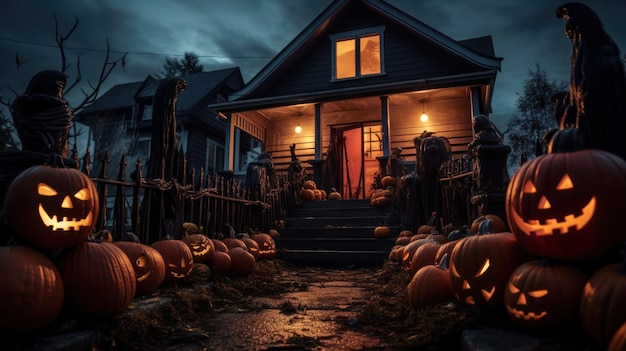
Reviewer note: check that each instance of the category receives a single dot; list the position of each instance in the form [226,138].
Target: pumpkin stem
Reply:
[443,263]
[55,160]
[545,262]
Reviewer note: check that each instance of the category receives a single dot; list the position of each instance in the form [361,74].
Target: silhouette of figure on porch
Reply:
[260,176]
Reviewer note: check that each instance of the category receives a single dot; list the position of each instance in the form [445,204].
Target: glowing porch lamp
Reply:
[424,117]
[298,127]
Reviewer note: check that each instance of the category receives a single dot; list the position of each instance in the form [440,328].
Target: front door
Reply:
[362,145]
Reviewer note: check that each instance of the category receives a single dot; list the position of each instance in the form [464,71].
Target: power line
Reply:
[128,52]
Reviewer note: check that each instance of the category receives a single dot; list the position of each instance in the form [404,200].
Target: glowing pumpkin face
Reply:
[267,245]
[177,257]
[480,266]
[543,296]
[562,205]
[201,247]
[148,264]
[53,208]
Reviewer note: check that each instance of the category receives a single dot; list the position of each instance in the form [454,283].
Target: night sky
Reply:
[248,33]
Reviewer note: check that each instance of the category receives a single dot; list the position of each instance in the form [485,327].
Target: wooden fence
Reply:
[209,200]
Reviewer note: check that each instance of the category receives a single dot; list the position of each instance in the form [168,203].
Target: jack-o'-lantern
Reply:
[177,257]
[267,245]
[480,266]
[562,206]
[252,246]
[201,247]
[52,207]
[543,295]
[148,265]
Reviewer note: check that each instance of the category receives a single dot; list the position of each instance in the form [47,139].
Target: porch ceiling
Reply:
[366,103]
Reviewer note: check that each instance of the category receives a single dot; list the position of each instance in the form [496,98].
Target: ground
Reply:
[280,306]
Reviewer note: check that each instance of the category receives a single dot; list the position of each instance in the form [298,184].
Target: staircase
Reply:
[336,233]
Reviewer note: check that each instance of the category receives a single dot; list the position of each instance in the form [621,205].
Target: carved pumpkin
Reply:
[562,205]
[177,257]
[53,208]
[201,247]
[267,245]
[430,285]
[602,307]
[148,264]
[252,247]
[98,277]
[31,289]
[541,295]
[481,265]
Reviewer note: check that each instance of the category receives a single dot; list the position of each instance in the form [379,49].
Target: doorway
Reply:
[362,144]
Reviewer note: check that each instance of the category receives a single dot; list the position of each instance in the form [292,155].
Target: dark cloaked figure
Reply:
[597,93]
[490,154]
[42,116]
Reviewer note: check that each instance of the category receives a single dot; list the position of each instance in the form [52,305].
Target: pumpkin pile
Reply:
[57,263]
[552,265]
[382,196]
[310,192]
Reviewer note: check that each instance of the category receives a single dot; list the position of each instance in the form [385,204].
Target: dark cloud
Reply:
[248,33]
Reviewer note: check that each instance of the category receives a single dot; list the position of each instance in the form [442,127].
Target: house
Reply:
[352,87]
[120,123]
[120,120]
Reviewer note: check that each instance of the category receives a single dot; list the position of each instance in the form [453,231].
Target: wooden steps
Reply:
[336,233]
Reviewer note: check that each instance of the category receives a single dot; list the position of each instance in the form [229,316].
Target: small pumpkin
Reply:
[148,265]
[98,277]
[388,181]
[310,184]
[382,232]
[177,257]
[334,195]
[242,261]
[307,194]
[201,247]
[429,286]
[267,245]
[497,224]
[31,289]
[221,263]
[424,256]
[52,207]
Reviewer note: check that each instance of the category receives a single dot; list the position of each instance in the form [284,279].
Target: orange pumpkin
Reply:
[382,232]
[98,277]
[430,285]
[177,257]
[148,264]
[242,261]
[52,207]
[31,289]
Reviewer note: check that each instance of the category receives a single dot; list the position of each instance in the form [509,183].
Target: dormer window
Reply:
[358,53]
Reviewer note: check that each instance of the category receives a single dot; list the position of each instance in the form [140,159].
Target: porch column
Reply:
[229,145]
[318,131]
[384,111]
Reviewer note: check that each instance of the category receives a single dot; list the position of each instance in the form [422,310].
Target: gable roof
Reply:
[478,51]
[199,85]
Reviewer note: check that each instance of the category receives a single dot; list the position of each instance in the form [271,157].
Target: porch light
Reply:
[298,127]
[424,117]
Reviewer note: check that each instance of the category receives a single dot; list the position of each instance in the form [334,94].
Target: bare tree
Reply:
[89,94]
[534,117]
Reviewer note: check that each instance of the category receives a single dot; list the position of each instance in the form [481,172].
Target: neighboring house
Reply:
[120,123]
[363,71]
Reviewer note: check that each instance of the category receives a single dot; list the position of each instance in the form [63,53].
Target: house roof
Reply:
[199,85]
[478,51]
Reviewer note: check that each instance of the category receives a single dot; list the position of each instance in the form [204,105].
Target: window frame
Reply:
[356,35]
